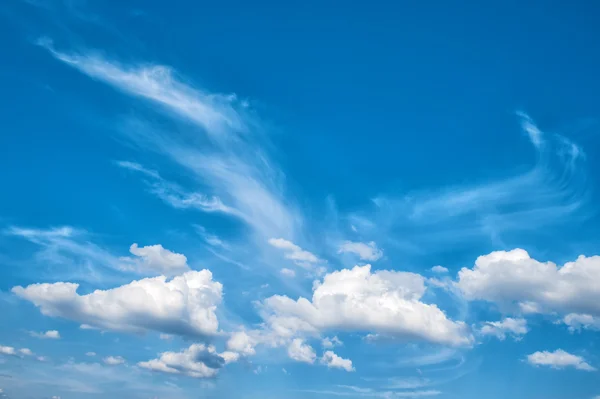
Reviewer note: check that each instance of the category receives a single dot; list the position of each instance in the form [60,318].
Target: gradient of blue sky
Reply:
[259,156]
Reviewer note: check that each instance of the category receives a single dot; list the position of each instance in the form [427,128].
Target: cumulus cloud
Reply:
[155,258]
[51,334]
[299,351]
[365,251]
[113,360]
[242,343]
[8,350]
[184,305]
[514,278]
[576,322]
[26,352]
[198,361]
[332,360]
[364,301]
[515,327]
[439,269]
[559,359]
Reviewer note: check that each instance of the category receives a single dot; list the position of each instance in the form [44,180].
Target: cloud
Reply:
[175,195]
[439,269]
[240,342]
[349,390]
[288,272]
[332,360]
[91,354]
[299,256]
[8,350]
[155,258]
[365,251]
[183,305]
[228,159]
[331,342]
[515,327]
[513,277]
[299,351]
[26,352]
[364,301]
[197,361]
[559,359]
[576,322]
[113,360]
[51,334]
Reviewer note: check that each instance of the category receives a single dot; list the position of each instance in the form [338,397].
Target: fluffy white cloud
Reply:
[299,351]
[365,251]
[359,300]
[515,327]
[288,272]
[513,277]
[156,259]
[332,360]
[183,305]
[331,342]
[439,269]
[576,322]
[559,359]
[113,360]
[198,361]
[51,334]
[241,343]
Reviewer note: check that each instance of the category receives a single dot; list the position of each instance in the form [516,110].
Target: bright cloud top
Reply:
[331,360]
[184,305]
[359,300]
[514,278]
[155,258]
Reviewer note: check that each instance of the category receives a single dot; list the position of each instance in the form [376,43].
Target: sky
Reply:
[313,200]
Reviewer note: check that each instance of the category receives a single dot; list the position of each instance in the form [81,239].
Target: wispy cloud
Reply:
[554,190]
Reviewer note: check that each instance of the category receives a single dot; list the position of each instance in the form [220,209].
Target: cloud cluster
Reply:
[331,360]
[360,300]
[184,305]
[513,278]
[198,361]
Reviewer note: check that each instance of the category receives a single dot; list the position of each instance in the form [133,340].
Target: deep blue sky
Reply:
[279,145]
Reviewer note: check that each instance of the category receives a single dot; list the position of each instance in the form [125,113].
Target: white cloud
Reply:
[198,361]
[8,350]
[559,359]
[299,351]
[576,322]
[359,300]
[42,358]
[51,334]
[365,251]
[294,252]
[155,258]
[331,342]
[513,277]
[332,360]
[288,272]
[439,269]
[26,352]
[113,360]
[515,327]
[241,343]
[183,305]
[91,354]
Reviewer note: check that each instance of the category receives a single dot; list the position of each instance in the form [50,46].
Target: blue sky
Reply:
[320,200]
